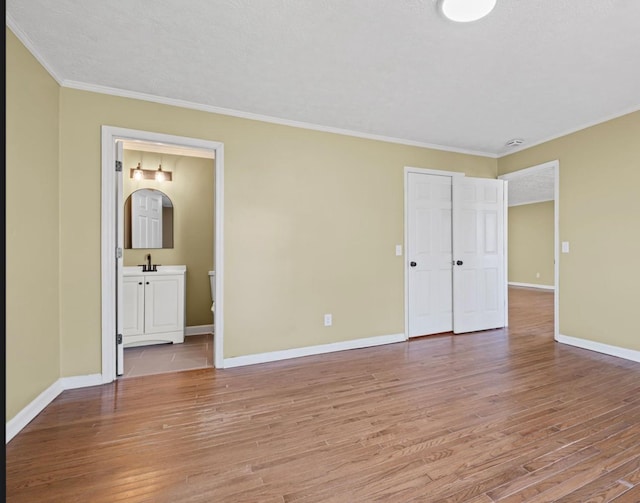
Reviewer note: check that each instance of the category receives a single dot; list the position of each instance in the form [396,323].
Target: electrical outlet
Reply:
[328,320]
[537,275]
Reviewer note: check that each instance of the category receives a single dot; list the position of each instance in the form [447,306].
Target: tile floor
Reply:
[194,353]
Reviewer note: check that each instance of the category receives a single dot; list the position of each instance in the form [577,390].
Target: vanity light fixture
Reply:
[464,11]
[160,175]
[137,173]
[150,174]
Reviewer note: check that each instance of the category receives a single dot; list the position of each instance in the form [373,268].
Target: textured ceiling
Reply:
[532,69]
[532,185]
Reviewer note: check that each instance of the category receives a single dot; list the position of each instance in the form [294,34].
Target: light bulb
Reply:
[138,174]
[160,174]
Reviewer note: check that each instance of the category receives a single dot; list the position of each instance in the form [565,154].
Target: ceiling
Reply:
[531,185]
[384,69]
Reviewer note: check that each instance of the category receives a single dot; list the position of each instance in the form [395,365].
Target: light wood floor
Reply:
[504,415]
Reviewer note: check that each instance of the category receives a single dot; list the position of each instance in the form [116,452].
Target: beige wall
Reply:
[32,221]
[600,218]
[531,234]
[311,224]
[192,193]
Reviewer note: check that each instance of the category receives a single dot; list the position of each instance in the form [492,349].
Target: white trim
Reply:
[28,413]
[26,41]
[505,249]
[198,330]
[264,118]
[533,201]
[556,233]
[556,250]
[607,349]
[286,354]
[287,122]
[602,120]
[528,171]
[532,285]
[16,424]
[85,381]
[110,135]
[429,171]
[218,265]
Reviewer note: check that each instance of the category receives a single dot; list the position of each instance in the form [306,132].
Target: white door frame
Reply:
[422,171]
[109,223]
[556,231]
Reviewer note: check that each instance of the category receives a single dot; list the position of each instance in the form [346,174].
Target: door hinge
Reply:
[118,252]
[118,165]
[118,338]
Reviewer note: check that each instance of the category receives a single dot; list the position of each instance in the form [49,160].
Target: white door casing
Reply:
[479,279]
[113,235]
[119,212]
[429,253]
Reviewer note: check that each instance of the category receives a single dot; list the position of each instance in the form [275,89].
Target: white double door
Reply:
[456,278]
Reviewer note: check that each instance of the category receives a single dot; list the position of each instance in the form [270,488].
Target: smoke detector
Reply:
[516,142]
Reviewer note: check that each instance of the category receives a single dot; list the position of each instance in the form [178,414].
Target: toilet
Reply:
[212,282]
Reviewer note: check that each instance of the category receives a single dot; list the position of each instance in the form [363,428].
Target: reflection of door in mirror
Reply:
[146,219]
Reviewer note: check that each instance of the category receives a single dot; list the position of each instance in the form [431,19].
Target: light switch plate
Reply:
[565,247]
[398,250]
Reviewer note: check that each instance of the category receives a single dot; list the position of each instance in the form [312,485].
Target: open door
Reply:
[119,154]
[479,276]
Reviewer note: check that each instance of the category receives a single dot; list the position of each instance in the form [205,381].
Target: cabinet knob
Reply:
[140,283]
[413,264]
[459,262]
[147,282]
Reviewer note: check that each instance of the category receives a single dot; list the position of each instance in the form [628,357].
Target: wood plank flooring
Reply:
[504,416]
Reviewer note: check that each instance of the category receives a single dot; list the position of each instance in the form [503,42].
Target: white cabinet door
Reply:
[429,251]
[164,304]
[133,305]
[479,280]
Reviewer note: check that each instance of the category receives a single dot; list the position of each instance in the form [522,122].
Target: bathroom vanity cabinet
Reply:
[153,305]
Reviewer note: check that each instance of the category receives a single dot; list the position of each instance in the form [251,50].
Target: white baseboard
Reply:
[76,382]
[286,354]
[198,330]
[627,354]
[532,285]
[26,415]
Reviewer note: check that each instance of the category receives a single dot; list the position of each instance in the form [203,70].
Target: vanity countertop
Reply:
[136,270]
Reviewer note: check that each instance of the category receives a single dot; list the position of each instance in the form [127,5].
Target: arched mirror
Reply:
[148,220]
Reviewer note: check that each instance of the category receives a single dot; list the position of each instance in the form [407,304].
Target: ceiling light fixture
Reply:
[464,11]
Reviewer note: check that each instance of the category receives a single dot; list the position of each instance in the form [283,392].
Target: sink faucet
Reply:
[148,258]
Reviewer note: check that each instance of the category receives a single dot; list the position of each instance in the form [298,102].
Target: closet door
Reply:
[479,276]
[456,262]
[429,251]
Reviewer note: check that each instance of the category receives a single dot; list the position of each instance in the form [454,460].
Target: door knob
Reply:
[412,264]
[459,262]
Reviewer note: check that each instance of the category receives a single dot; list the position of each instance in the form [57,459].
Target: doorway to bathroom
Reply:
[157,295]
